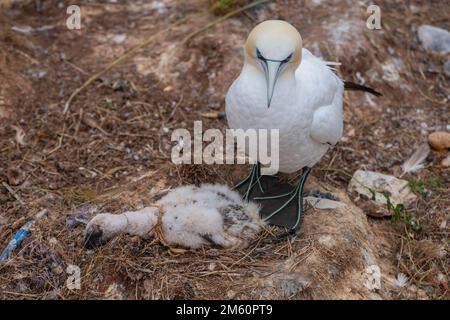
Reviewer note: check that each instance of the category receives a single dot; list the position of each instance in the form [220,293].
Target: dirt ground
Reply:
[110,151]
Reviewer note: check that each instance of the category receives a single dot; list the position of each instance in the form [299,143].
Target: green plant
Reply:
[220,7]
[6,200]
[399,213]
[423,187]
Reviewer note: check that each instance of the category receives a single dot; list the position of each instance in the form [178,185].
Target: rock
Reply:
[447,68]
[373,210]
[81,217]
[439,140]
[434,39]
[231,294]
[397,189]
[114,292]
[446,161]
[119,38]
[327,241]
[36,74]
[159,6]
[292,283]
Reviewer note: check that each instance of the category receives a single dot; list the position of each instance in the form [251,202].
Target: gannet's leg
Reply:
[296,194]
[305,175]
[252,179]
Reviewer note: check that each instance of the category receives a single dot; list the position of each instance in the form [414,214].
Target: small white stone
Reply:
[119,38]
[159,6]
[396,188]
[446,161]
[434,39]
[327,241]
[447,68]
[442,278]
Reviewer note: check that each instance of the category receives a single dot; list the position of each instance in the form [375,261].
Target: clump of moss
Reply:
[221,7]
[79,195]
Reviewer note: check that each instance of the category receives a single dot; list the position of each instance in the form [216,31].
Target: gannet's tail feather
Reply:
[348,85]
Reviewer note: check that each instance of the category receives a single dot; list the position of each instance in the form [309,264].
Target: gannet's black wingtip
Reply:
[348,85]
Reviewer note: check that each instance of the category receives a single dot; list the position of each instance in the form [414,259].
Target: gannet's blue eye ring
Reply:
[259,55]
[288,58]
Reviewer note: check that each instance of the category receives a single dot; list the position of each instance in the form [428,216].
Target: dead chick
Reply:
[191,217]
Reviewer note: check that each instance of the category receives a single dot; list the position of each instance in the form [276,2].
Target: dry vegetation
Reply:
[110,151]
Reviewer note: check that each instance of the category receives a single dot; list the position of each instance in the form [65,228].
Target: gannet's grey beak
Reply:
[272,70]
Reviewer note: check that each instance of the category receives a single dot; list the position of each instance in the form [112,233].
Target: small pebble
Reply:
[434,39]
[447,68]
[439,140]
[446,161]
[119,38]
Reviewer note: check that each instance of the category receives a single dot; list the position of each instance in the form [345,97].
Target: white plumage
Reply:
[191,217]
[306,105]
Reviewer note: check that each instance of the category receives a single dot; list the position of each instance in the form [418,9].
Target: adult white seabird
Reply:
[284,86]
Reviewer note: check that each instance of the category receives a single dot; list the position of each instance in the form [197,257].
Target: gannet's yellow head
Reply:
[274,47]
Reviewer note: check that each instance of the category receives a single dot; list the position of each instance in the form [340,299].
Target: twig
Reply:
[175,109]
[15,195]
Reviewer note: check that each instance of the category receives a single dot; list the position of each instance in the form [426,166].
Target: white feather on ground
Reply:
[192,217]
[416,161]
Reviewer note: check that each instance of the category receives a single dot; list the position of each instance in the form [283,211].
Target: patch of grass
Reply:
[221,7]
[399,213]
[7,199]
[86,195]
[80,195]
[425,187]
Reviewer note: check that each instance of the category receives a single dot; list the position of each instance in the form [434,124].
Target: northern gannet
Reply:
[284,86]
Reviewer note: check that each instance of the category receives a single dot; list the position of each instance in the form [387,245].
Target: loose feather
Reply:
[348,85]
[416,161]
[320,203]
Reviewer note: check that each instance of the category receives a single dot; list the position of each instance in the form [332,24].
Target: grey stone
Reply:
[435,39]
[447,68]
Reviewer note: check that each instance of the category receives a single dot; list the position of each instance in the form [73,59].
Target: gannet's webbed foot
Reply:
[294,203]
[249,183]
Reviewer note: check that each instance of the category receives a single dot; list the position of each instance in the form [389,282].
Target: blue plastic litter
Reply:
[20,235]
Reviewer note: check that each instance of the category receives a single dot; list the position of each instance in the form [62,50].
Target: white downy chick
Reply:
[192,217]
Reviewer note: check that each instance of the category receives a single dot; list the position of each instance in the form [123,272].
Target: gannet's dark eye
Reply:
[288,58]
[259,55]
